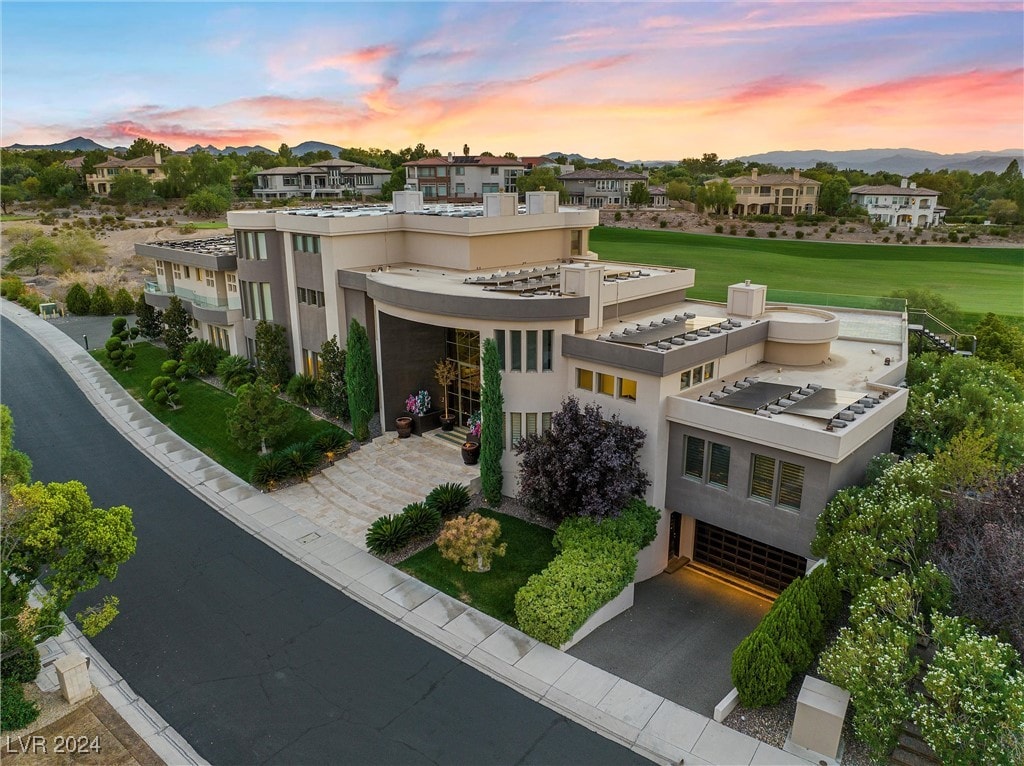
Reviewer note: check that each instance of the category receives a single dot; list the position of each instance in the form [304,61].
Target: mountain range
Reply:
[903,161]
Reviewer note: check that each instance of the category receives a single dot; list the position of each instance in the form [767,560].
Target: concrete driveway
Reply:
[678,639]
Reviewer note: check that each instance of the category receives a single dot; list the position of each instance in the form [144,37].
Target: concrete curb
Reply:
[647,723]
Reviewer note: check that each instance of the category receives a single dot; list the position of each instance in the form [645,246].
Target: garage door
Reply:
[752,560]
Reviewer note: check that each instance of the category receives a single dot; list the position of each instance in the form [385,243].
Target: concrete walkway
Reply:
[647,723]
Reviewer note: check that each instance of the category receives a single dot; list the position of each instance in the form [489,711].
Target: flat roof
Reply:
[222,245]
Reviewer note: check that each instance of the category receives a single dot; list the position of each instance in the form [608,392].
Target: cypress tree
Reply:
[272,353]
[492,443]
[177,328]
[360,380]
[331,389]
[78,300]
[100,304]
[148,319]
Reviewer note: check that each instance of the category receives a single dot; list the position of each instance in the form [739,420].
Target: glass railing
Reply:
[837,300]
[196,299]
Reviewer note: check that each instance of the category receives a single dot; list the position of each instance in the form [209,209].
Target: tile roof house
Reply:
[904,205]
[755,412]
[458,178]
[600,188]
[773,193]
[150,167]
[330,179]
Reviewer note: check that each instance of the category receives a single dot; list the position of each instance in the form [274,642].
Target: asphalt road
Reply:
[251,658]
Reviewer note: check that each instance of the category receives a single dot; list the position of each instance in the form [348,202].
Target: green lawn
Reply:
[11,218]
[494,592]
[201,420]
[978,279]
[208,224]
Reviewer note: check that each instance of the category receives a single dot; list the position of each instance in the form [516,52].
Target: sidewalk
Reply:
[647,723]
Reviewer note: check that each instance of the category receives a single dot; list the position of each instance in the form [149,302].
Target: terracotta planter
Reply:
[404,426]
[448,422]
[470,453]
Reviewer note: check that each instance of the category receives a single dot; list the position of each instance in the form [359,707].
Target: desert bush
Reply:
[12,287]
[773,234]
[449,499]
[618,216]
[751,233]
[719,228]
[423,520]
[31,300]
[662,223]
[799,234]
[387,534]
[330,442]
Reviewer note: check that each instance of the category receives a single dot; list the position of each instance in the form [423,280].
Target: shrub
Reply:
[492,442]
[330,442]
[885,239]
[471,541]
[618,216]
[360,379]
[31,301]
[449,499]
[235,371]
[302,389]
[100,304]
[270,469]
[123,302]
[387,534]
[272,356]
[662,223]
[828,235]
[16,712]
[823,584]
[422,519]
[732,230]
[795,624]
[965,238]
[719,228]
[799,234]
[597,561]
[12,287]
[202,357]
[773,234]
[169,367]
[759,673]
[331,389]
[119,355]
[832,229]
[751,233]
[303,458]
[163,390]
[24,664]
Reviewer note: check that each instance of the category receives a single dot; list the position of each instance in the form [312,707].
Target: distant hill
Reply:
[243,150]
[903,161]
[315,146]
[76,144]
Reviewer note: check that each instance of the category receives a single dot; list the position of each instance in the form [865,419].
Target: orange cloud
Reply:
[987,91]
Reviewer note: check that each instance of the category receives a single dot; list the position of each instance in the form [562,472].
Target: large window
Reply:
[706,461]
[696,376]
[605,384]
[584,379]
[627,389]
[252,245]
[499,341]
[256,302]
[531,351]
[547,350]
[516,355]
[310,296]
[693,461]
[609,385]
[516,426]
[777,481]
[306,243]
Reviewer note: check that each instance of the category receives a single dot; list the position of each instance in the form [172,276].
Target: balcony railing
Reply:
[196,299]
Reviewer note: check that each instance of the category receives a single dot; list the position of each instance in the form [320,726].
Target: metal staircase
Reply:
[932,334]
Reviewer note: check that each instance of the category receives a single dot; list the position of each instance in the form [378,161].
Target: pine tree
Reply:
[272,353]
[78,300]
[177,330]
[124,304]
[148,319]
[331,389]
[492,442]
[361,381]
[258,418]
[100,304]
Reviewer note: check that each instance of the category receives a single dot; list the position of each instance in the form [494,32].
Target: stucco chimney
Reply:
[451,157]
[753,174]
[913,184]
[796,174]
[904,182]
[156,156]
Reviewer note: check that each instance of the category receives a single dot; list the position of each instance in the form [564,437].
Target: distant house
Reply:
[75,163]
[99,182]
[773,194]
[462,178]
[328,179]
[658,196]
[600,188]
[903,205]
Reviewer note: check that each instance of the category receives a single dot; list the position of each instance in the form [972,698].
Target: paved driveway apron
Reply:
[251,658]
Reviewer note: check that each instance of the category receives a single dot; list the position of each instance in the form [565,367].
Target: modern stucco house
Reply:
[462,178]
[905,205]
[773,193]
[106,171]
[329,179]
[600,188]
[755,412]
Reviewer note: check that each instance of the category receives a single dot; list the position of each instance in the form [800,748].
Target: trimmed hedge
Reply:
[759,673]
[16,712]
[597,561]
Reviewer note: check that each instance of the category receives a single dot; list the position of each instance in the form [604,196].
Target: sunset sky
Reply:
[631,80]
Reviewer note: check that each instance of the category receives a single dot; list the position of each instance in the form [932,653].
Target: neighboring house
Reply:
[330,179]
[905,205]
[600,188]
[204,274]
[755,413]
[461,178]
[150,167]
[75,163]
[773,193]
[658,196]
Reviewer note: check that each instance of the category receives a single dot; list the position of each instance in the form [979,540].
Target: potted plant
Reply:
[403,425]
[417,404]
[475,426]
[445,372]
[470,452]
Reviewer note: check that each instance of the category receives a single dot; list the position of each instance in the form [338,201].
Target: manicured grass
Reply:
[11,218]
[978,279]
[202,420]
[209,225]
[494,592]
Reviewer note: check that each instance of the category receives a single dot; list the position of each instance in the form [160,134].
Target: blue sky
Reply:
[635,80]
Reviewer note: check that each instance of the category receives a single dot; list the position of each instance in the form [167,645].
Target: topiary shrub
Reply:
[270,470]
[759,673]
[123,302]
[163,390]
[77,300]
[301,389]
[422,519]
[202,357]
[449,499]
[16,712]
[100,303]
[235,371]
[387,534]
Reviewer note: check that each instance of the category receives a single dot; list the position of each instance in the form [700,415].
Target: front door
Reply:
[463,348]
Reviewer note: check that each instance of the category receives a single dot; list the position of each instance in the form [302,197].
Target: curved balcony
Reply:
[203,307]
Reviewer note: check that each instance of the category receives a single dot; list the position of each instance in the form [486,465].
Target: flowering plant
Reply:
[418,403]
[475,424]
